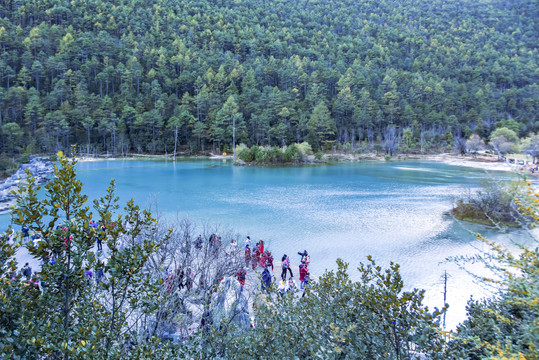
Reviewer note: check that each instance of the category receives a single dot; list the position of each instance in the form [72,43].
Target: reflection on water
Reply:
[392,211]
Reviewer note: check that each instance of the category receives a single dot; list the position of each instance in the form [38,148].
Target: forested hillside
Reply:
[128,75]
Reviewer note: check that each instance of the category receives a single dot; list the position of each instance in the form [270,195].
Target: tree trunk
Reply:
[175,141]
[88,145]
[234,136]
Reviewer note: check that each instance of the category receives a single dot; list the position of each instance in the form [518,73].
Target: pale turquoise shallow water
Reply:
[392,211]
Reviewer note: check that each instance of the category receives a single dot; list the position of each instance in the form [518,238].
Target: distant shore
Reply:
[480,162]
[488,163]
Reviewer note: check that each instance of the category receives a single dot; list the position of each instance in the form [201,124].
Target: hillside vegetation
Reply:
[160,75]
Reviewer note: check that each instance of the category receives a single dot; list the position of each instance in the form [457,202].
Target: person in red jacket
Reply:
[262,260]
[302,273]
[269,261]
[242,274]
[255,255]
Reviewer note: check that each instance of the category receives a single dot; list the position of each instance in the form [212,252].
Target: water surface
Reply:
[392,211]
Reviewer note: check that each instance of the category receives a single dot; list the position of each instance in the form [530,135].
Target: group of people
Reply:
[258,256]
[31,277]
[304,274]
[179,279]
[50,260]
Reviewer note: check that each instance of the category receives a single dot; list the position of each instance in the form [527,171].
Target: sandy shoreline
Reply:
[487,163]
[480,162]
[152,157]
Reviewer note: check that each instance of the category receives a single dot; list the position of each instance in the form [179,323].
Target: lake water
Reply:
[392,211]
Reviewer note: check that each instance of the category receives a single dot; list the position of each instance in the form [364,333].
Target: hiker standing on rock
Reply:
[266,279]
[285,265]
[303,271]
[247,255]
[254,256]
[269,261]
[242,275]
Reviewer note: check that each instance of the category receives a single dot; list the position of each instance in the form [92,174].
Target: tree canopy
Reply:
[117,76]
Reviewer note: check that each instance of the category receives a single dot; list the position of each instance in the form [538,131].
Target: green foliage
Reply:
[530,145]
[504,140]
[7,166]
[13,298]
[291,154]
[493,205]
[12,133]
[338,318]
[321,126]
[508,134]
[304,148]
[408,140]
[155,75]
[74,317]
[294,153]
[244,153]
[504,327]
[509,124]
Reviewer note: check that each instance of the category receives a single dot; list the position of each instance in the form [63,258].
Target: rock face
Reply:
[39,168]
[232,303]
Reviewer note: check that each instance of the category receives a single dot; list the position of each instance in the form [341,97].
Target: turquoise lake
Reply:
[393,211]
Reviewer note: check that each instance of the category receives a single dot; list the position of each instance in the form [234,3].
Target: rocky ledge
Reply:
[39,168]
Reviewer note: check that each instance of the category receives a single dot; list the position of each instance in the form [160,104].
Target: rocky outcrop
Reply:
[39,168]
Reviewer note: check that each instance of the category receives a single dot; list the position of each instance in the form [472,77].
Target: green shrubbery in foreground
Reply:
[291,154]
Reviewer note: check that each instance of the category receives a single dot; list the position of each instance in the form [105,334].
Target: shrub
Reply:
[274,155]
[7,166]
[378,148]
[291,154]
[305,148]
[24,159]
[258,153]
[244,153]
[492,205]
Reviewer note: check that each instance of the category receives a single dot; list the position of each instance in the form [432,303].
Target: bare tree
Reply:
[501,145]
[390,137]
[474,144]
[460,142]
[530,146]
[197,267]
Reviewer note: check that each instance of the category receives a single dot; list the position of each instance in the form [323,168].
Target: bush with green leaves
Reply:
[244,153]
[291,154]
[504,326]
[305,148]
[294,153]
[74,317]
[7,165]
[493,204]
[339,318]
